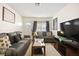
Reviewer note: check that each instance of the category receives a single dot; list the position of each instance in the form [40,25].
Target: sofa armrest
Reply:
[18,49]
[11,52]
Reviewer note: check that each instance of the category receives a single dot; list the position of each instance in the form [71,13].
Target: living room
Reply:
[25,25]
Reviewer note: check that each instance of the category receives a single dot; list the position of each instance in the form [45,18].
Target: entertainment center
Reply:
[67,42]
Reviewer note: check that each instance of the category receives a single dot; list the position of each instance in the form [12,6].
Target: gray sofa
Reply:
[19,44]
[48,36]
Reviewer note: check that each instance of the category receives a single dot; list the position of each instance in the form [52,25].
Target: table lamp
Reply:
[35,34]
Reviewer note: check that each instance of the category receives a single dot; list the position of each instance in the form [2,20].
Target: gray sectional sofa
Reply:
[48,36]
[18,46]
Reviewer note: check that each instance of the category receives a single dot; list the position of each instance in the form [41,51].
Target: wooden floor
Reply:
[50,50]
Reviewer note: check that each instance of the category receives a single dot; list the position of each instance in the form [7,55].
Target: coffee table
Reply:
[38,45]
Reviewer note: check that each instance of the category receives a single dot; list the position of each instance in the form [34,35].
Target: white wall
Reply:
[69,12]
[27,30]
[7,26]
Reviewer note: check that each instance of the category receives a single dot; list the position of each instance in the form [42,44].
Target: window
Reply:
[55,24]
[41,26]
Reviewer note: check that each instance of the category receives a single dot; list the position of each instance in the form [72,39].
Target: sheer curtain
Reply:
[41,26]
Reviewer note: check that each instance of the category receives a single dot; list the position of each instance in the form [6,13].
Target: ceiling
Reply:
[43,10]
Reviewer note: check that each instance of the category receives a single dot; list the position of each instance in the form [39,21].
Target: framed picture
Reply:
[8,15]
[55,24]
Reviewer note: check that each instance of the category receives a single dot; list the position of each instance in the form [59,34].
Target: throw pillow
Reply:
[5,42]
[16,38]
[11,39]
[40,34]
[49,34]
[44,34]
[19,35]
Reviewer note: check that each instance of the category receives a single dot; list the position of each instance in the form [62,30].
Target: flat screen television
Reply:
[71,29]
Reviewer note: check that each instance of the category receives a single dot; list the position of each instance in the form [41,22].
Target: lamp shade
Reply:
[35,33]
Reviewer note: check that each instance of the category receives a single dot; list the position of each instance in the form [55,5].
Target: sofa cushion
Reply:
[11,52]
[20,47]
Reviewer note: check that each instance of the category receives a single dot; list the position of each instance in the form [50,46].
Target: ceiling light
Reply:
[19,24]
[37,4]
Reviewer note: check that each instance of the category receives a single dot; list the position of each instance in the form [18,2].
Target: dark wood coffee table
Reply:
[38,45]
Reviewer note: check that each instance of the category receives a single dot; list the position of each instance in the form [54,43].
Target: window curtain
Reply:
[47,26]
[34,26]
[41,26]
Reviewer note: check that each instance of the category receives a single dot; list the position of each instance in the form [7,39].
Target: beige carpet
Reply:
[50,50]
